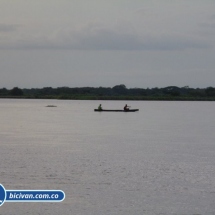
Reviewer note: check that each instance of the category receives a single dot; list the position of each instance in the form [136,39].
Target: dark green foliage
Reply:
[120,89]
[16,92]
[118,92]
[210,91]
[4,92]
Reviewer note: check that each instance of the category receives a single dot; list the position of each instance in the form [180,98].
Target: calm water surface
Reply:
[158,161]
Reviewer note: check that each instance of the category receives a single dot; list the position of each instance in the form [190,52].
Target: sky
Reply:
[79,43]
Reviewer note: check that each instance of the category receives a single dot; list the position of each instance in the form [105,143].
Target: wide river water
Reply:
[158,161]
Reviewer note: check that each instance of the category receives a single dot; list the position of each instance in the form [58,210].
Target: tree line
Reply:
[117,92]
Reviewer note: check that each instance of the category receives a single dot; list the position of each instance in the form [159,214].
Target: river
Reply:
[158,161]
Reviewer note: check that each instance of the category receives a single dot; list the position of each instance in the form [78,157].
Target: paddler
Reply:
[126,107]
[100,107]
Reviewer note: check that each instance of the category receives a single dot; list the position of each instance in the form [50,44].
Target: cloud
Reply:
[207,29]
[100,37]
[8,28]
[173,42]
[208,25]
[96,37]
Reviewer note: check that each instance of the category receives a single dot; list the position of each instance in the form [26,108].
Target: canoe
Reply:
[130,110]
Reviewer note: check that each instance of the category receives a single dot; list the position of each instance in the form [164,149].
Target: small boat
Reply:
[130,110]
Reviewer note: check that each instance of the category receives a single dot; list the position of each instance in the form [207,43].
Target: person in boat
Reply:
[126,107]
[100,107]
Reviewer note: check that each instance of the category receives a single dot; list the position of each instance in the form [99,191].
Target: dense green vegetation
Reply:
[118,92]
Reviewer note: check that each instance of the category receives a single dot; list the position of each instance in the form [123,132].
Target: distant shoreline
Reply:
[113,98]
[118,92]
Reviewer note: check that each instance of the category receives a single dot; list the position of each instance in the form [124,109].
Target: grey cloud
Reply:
[113,39]
[173,42]
[8,28]
[98,37]
[208,25]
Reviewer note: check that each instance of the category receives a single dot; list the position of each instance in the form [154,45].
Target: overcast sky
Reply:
[77,43]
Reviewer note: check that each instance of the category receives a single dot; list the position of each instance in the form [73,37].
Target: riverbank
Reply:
[131,98]
[118,92]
